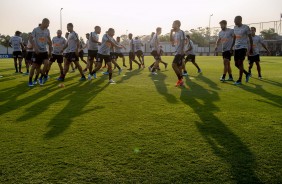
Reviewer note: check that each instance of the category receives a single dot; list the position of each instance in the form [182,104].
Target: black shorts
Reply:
[120,55]
[72,57]
[131,56]
[156,56]
[191,58]
[81,54]
[18,54]
[101,58]
[40,58]
[58,58]
[139,53]
[240,54]
[113,55]
[92,54]
[29,56]
[227,55]
[178,59]
[253,59]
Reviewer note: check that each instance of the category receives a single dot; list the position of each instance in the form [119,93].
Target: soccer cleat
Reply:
[60,79]
[82,78]
[45,80]
[94,76]
[41,83]
[248,76]
[185,74]
[112,81]
[222,79]
[260,78]
[106,73]
[34,82]
[200,71]
[30,84]
[179,83]
[90,77]
[154,73]
[119,71]
[237,83]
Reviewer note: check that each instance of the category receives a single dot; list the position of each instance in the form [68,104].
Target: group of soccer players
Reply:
[67,51]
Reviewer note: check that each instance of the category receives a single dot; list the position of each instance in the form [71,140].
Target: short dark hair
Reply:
[118,37]
[254,28]
[111,29]
[239,17]
[70,24]
[223,22]
[18,33]
[188,36]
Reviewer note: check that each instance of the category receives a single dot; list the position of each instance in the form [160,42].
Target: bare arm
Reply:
[217,43]
[265,47]
[234,40]
[171,37]
[50,45]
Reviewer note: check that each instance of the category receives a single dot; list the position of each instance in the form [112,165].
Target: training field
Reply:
[142,129]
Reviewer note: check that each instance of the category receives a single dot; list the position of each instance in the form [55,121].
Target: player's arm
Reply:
[113,43]
[171,37]
[265,47]
[93,39]
[234,40]
[50,45]
[77,46]
[190,46]
[217,43]
[251,43]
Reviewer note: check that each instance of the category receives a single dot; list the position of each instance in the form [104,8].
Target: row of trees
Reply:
[200,36]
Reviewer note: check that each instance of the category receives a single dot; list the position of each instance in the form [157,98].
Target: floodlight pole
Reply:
[61,24]
[210,34]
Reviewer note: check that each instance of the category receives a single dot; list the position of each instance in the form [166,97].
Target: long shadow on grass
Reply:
[159,81]
[225,144]
[74,108]
[129,75]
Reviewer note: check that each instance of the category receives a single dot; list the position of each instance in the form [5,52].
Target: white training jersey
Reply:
[137,44]
[257,41]
[29,47]
[105,48]
[16,42]
[226,38]
[179,42]
[40,38]
[72,42]
[118,50]
[155,43]
[191,52]
[241,34]
[58,45]
[92,45]
[131,46]
[87,44]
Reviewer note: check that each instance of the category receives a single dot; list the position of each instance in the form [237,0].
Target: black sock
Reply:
[16,67]
[223,76]
[118,67]
[245,72]
[27,71]
[230,76]
[47,72]
[185,71]
[179,77]
[20,68]
[110,75]
[36,77]
[30,79]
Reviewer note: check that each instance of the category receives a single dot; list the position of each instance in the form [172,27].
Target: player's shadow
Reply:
[74,108]
[224,143]
[271,82]
[271,99]
[127,75]
[159,81]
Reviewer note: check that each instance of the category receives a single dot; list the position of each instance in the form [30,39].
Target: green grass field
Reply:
[143,129]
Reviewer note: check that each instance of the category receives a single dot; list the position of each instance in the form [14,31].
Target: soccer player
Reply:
[242,34]
[156,50]
[138,50]
[59,43]
[40,39]
[178,40]
[255,57]
[132,52]
[86,46]
[29,53]
[81,52]
[191,56]
[119,52]
[16,42]
[72,56]
[225,38]
[93,47]
[104,54]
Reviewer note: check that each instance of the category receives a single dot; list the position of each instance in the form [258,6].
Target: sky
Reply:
[126,16]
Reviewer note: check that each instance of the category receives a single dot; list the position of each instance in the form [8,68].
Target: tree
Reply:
[269,34]
[124,40]
[4,40]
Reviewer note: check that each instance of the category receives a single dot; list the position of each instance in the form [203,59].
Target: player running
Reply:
[225,38]
[255,57]
[138,50]
[104,54]
[40,39]
[119,51]
[16,42]
[242,34]
[93,47]
[178,40]
[132,52]
[29,53]
[58,43]
[72,56]
[191,56]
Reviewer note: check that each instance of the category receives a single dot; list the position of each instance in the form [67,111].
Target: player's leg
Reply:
[78,66]
[60,61]
[31,73]
[98,65]
[20,64]
[195,64]
[16,63]
[259,69]
[176,64]
[110,69]
[123,61]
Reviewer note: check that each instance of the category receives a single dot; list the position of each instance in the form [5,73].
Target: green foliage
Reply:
[269,34]
[4,40]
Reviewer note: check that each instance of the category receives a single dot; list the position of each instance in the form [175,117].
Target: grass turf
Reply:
[143,129]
